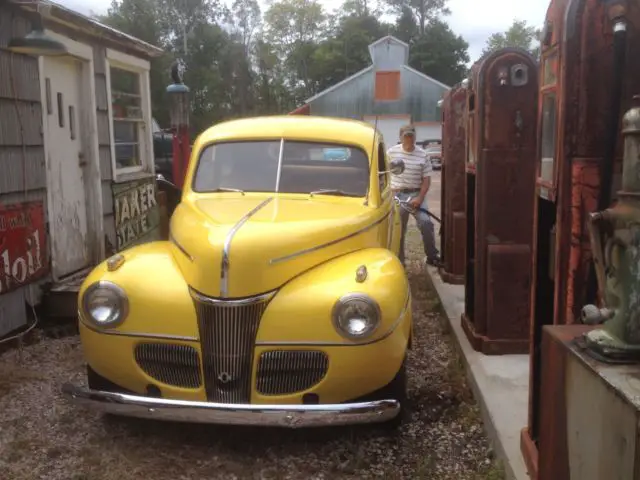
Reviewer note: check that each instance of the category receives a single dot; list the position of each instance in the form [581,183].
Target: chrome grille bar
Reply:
[177,365]
[282,372]
[228,330]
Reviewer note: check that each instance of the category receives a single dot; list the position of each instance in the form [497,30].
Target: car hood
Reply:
[267,240]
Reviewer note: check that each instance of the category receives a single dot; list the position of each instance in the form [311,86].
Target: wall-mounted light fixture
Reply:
[36,42]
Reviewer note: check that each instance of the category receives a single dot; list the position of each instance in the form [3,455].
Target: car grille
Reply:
[228,330]
[282,372]
[177,365]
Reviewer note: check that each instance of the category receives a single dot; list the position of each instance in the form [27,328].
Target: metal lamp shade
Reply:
[37,43]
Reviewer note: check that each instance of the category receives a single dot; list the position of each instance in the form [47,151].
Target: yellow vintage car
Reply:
[278,299]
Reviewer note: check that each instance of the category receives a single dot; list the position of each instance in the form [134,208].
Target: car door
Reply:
[391,226]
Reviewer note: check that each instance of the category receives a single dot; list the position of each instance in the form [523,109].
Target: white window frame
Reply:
[141,67]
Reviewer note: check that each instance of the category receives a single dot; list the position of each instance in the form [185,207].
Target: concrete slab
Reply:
[500,383]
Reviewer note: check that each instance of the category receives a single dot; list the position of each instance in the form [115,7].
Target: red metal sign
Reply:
[23,249]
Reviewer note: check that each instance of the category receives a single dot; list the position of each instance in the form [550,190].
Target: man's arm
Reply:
[424,188]
[426,178]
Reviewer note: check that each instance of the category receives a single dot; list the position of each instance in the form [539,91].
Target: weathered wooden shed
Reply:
[76,155]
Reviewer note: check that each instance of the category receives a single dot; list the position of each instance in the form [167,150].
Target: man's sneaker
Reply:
[434,262]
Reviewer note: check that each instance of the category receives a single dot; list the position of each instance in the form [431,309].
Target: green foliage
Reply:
[241,61]
[519,34]
[440,53]
[424,11]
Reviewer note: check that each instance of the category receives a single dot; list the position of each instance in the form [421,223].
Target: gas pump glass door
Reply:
[548,140]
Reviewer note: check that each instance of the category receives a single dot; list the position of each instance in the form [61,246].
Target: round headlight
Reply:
[356,316]
[105,304]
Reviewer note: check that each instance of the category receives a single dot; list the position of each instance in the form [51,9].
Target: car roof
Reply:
[293,127]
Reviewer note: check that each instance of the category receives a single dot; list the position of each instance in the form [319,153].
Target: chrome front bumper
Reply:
[291,416]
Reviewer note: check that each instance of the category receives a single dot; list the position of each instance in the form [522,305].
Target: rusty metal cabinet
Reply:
[500,183]
[578,110]
[454,105]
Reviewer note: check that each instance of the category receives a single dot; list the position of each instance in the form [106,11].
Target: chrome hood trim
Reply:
[291,416]
[224,267]
[328,244]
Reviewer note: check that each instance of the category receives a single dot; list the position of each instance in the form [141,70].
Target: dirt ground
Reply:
[44,437]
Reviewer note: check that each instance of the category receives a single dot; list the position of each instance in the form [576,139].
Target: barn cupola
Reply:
[388,55]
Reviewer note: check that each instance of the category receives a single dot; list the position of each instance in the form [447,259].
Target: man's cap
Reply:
[407,130]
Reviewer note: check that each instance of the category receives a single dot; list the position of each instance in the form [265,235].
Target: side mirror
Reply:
[396,167]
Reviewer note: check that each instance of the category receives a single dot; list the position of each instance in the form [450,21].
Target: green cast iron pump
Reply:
[615,242]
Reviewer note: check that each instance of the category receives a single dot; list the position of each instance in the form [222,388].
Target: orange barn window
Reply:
[387,86]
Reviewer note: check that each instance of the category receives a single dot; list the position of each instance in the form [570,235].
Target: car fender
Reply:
[301,311]
[159,301]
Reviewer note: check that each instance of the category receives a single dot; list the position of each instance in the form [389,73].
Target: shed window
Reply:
[387,86]
[126,102]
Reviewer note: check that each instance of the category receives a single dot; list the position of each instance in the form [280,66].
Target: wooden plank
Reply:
[19,173]
[107,198]
[28,115]
[110,234]
[104,135]
[99,56]
[102,103]
[13,312]
[105,163]
[19,79]
[30,196]
[12,24]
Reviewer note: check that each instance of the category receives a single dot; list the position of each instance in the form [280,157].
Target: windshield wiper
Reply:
[223,189]
[328,191]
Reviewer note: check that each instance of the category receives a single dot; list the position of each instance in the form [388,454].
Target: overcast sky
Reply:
[472,19]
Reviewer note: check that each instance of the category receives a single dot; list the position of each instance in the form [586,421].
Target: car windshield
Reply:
[306,167]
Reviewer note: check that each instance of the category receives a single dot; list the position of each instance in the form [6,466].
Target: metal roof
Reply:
[62,15]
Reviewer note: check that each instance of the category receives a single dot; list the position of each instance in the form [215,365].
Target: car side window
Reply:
[382,167]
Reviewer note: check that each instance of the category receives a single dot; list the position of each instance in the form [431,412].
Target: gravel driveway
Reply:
[43,437]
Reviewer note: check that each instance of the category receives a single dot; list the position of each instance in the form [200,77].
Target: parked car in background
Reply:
[163,151]
[279,298]
[434,151]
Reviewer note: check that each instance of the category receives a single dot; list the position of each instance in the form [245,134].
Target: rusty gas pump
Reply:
[169,193]
[500,181]
[584,84]
[452,241]
[178,94]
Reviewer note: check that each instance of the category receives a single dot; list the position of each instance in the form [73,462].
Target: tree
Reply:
[519,34]
[424,11]
[240,62]
[440,53]
[406,28]
[294,28]
[345,51]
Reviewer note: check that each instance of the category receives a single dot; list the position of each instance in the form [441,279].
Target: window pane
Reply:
[548,141]
[126,136]
[471,152]
[306,167]
[550,70]
[248,166]
[125,94]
